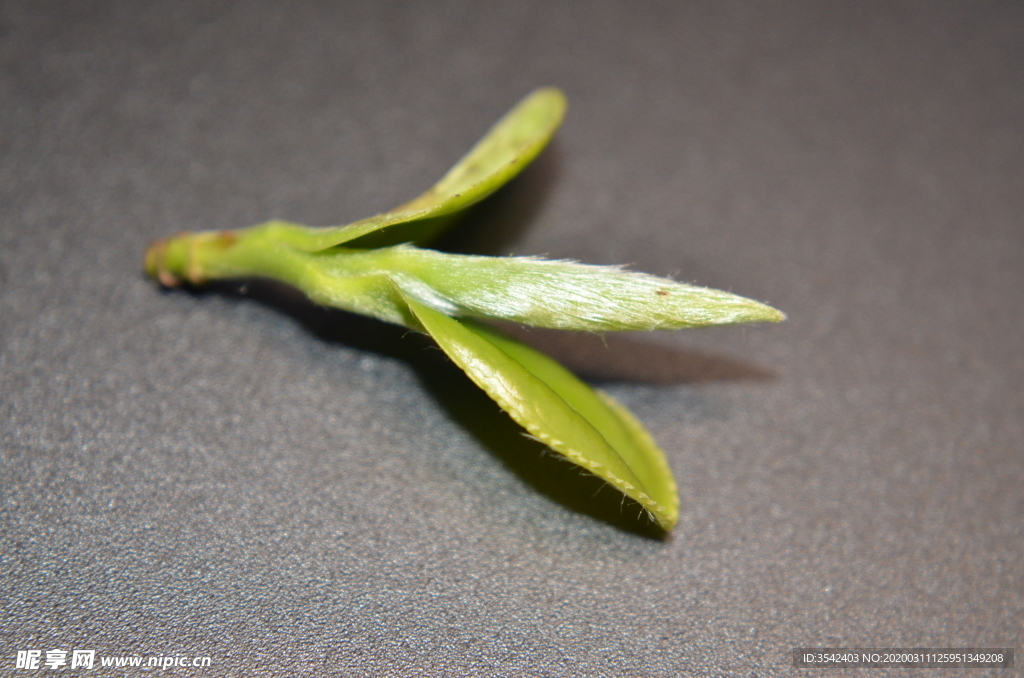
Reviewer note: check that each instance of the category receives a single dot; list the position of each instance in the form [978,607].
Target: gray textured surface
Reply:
[292,491]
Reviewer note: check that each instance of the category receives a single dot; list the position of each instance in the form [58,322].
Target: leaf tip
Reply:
[763,313]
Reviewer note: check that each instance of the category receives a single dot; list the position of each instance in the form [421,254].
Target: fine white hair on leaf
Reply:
[562,294]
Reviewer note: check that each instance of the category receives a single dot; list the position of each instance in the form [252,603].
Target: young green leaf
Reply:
[510,145]
[558,409]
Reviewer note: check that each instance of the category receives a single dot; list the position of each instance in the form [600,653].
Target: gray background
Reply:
[293,491]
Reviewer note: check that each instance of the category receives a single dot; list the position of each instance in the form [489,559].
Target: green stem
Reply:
[354,281]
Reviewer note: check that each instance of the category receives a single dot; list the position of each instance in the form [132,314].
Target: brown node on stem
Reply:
[155,264]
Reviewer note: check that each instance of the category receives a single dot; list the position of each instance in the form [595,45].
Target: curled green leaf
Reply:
[365,268]
[510,145]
